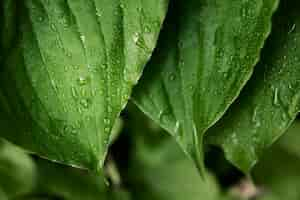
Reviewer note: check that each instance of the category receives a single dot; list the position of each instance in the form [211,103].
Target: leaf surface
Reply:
[271,99]
[70,73]
[205,55]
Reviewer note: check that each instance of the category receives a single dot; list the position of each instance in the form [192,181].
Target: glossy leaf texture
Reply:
[205,55]
[70,72]
[271,99]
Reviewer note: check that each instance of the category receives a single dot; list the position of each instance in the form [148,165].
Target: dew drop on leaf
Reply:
[276,97]
[84,103]
[82,81]
[82,38]
[172,77]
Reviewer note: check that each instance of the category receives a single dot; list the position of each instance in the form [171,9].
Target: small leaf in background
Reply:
[278,170]
[70,73]
[158,169]
[23,177]
[271,99]
[3,195]
[17,171]
[73,184]
[205,55]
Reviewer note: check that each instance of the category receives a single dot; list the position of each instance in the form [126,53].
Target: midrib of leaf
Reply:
[197,94]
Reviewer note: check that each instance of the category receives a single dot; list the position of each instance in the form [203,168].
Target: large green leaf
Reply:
[271,100]
[71,71]
[206,54]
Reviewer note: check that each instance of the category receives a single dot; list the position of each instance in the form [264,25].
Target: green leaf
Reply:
[116,130]
[71,71]
[158,169]
[278,174]
[17,171]
[291,140]
[3,195]
[68,183]
[270,101]
[23,177]
[205,55]
[73,184]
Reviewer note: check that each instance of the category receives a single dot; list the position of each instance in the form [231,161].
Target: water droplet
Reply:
[181,62]
[103,66]
[69,130]
[82,38]
[276,97]
[82,81]
[98,13]
[66,68]
[93,93]
[292,29]
[147,29]
[156,23]
[64,22]
[163,116]
[177,127]
[255,118]
[106,121]
[79,110]
[76,67]
[135,38]
[41,19]
[172,77]
[53,84]
[234,138]
[160,114]
[68,54]
[74,93]
[52,26]
[109,109]
[84,103]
